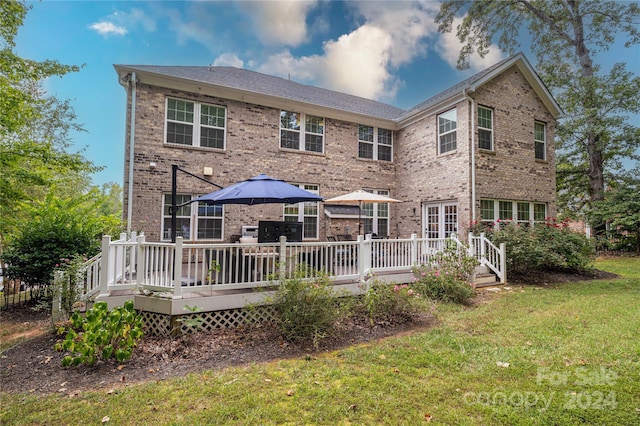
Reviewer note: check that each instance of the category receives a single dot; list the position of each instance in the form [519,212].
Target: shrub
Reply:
[101,334]
[384,302]
[307,311]
[68,282]
[549,246]
[447,278]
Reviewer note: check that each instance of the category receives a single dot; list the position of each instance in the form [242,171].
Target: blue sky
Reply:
[389,51]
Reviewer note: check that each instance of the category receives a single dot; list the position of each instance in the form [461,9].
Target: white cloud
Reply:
[228,60]
[108,28]
[279,22]
[362,62]
[449,47]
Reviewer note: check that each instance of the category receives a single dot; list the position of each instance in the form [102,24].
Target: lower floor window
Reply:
[193,222]
[440,219]
[376,215]
[306,212]
[522,212]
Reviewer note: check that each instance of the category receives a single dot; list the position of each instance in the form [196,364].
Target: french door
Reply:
[440,220]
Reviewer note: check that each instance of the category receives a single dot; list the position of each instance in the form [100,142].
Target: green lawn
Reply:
[567,354]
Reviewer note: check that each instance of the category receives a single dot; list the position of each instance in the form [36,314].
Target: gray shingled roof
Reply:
[456,88]
[251,81]
[242,79]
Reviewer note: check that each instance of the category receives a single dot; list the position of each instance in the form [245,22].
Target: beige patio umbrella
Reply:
[359,197]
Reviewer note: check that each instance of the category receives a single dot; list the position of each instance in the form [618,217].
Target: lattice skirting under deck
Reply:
[161,324]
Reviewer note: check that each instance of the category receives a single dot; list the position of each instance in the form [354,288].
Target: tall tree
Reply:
[34,127]
[567,35]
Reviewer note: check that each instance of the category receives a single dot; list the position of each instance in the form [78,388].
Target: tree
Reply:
[34,127]
[620,209]
[57,228]
[567,35]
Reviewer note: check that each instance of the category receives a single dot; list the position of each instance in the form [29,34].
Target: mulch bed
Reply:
[34,366]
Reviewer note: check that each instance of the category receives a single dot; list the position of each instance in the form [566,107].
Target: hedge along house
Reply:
[480,150]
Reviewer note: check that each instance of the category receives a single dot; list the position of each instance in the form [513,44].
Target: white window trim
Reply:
[376,143]
[302,140]
[193,221]
[197,110]
[455,110]
[487,129]
[301,214]
[543,142]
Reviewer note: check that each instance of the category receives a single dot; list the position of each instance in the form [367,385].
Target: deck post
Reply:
[414,250]
[472,246]
[132,254]
[141,267]
[177,269]
[364,256]
[104,266]
[503,262]
[483,253]
[282,258]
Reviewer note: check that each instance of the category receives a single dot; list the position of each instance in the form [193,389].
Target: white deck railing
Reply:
[495,258]
[176,268]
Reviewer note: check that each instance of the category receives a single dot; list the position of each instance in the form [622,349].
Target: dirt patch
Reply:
[34,366]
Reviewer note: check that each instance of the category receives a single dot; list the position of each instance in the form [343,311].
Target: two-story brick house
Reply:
[482,149]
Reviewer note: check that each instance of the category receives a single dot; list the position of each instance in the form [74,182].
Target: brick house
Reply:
[446,172]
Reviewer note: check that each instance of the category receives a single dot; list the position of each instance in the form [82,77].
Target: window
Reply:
[441,220]
[306,212]
[204,221]
[376,215]
[183,128]
[539,212]
[447,124]
[293,125]
[375,143]
[505,210]
[485,128]
[487,211]
[540,139]
[525,212]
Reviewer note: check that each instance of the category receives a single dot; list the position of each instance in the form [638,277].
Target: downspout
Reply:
[132,132]
[473,154]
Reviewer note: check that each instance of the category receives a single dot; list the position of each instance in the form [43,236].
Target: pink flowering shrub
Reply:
[390,303]
[447,278]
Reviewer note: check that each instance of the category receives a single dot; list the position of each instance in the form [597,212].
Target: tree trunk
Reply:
[596,163]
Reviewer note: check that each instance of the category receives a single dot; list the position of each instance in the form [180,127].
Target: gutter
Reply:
[473,153]
[132,132]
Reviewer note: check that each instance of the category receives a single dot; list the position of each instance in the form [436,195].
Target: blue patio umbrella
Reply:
[261,189]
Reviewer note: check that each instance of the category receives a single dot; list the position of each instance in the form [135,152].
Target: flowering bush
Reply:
[551,245]
[448,277]
[384,302]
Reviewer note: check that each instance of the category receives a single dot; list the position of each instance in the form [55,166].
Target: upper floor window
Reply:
[301,131]
[375,143]
[447,125]
[306,212]
[485,128]
[195,124]
[540,140]
[193,222]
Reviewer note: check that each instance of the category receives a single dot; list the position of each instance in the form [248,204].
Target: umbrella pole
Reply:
[359,216]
